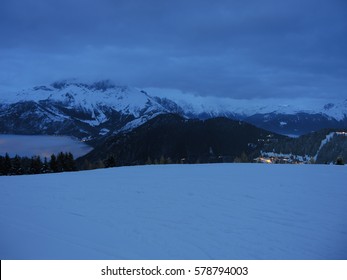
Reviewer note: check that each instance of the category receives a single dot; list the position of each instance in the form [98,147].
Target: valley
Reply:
[127,126]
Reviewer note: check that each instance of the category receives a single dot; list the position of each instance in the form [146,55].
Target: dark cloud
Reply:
[228,48]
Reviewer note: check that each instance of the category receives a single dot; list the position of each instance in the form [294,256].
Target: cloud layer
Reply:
[241,49]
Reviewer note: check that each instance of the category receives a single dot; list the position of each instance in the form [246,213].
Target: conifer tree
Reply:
[98,164]
[25,164]
[2,166]
[17,165]
[149,161]
[162,160]
[110,161]
[53,163]
[244,157]
[35,165]
[61,162]
[86,165]
[69,162]
[45,166]
[7,165]
[237,160]
[339,161]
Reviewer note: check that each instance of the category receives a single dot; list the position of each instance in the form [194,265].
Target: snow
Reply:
[79,95]
[292,135]
[219,211]
[134,101]
[136,123]
[104,131]
[195,104]
[291,157]
[324,142]
[42,145]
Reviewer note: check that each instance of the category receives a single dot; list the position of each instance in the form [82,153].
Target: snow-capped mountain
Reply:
[79,109]
[93,110]
[285,116]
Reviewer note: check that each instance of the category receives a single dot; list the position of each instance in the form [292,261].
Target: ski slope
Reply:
[219,211]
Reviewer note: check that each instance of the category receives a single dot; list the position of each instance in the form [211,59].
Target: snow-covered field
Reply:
[41,145]
[219,211]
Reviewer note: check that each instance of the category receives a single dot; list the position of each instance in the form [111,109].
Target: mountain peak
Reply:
[99,104]
[101,85]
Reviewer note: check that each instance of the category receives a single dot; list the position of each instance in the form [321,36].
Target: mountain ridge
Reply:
[92,110]
[324,146]
[172,138]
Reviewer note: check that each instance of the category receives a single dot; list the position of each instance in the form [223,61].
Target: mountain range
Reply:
[92,111]
[170,138]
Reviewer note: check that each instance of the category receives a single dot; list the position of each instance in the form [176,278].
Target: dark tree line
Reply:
[35,165]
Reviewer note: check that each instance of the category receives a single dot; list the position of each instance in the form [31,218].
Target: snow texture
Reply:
[219,211]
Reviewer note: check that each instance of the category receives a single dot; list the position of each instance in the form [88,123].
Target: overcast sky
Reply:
[234,48]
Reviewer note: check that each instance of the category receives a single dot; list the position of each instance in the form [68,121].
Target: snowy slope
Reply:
[220,211]
[324,142]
